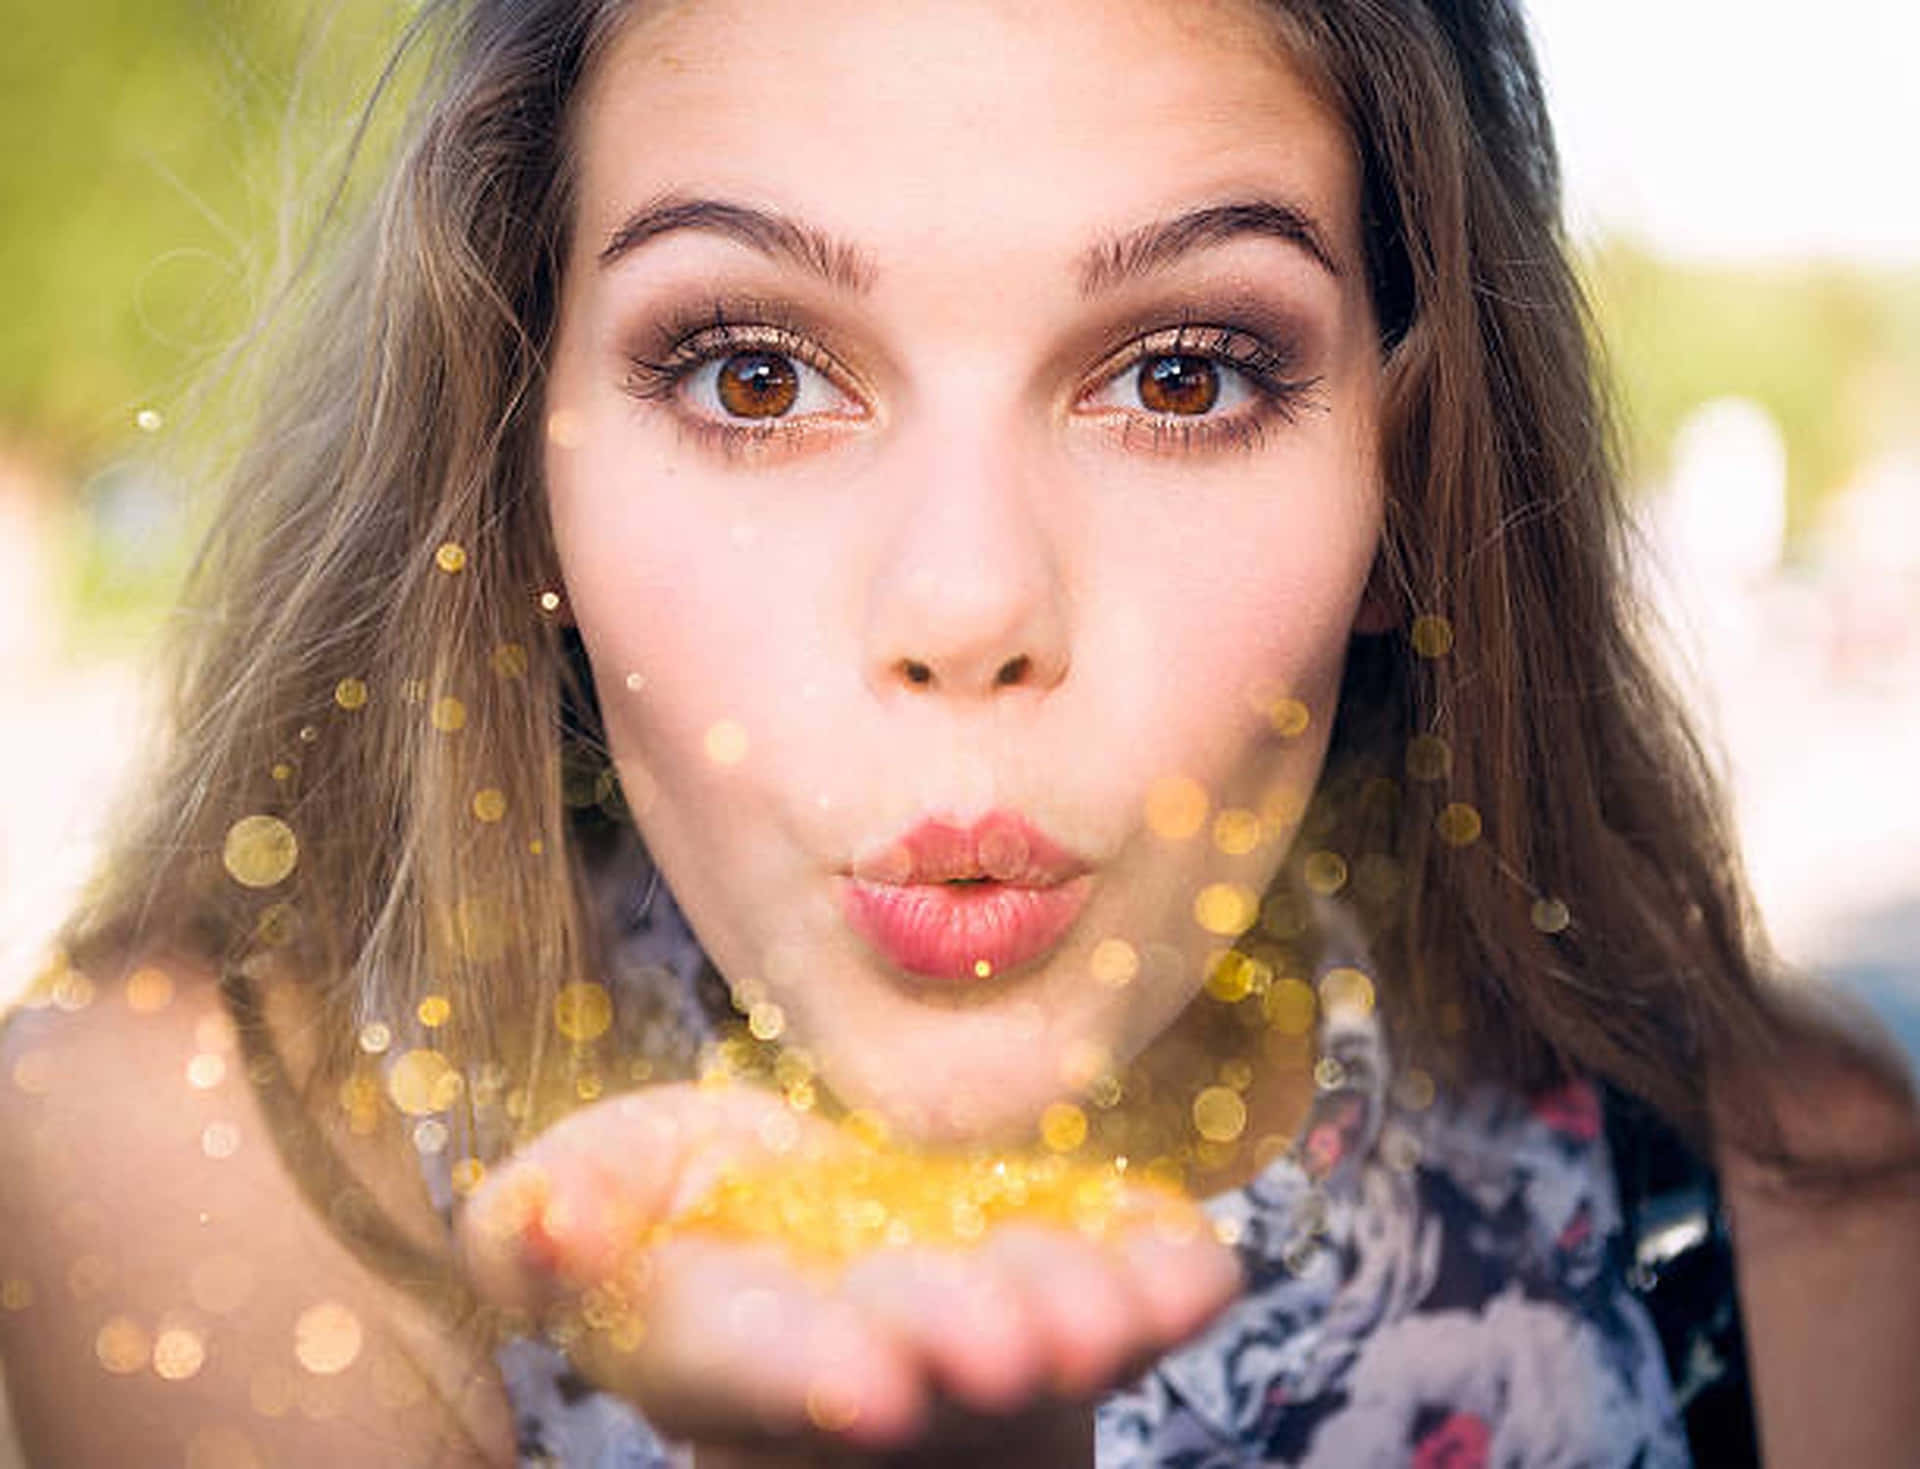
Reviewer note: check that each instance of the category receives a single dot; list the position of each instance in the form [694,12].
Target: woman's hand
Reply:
[996,1350]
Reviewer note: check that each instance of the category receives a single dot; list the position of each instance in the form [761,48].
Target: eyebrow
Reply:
[1155,246]
[837,262]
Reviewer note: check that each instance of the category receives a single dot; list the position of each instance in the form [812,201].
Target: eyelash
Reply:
[688,345]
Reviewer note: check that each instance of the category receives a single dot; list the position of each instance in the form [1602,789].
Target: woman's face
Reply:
[962,461]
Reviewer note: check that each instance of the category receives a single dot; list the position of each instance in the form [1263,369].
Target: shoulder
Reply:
[168,1293]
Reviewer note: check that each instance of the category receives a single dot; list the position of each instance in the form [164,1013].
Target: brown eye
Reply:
[1176,383]
[758,385]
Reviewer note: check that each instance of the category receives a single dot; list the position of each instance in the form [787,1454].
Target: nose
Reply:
[967,595]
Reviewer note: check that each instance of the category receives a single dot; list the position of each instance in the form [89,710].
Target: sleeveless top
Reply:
[1433,1281]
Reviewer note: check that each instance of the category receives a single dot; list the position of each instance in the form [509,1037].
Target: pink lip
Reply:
[966,903]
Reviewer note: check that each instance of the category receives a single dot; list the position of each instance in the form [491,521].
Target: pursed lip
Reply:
[965,903]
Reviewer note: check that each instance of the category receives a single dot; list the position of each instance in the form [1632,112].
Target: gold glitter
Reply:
[375,1037]
[221,1284]
[1226,908]
[206,1071]
[549,601]
[434,1011]
[1550,915]
[635,683]
[1176,807]
[149,421]
[1413,1089]
[1346,991]
[220,1447]
[1429,758]
[1114,963]
[1063,1127]
[34,1073]
[350,694]
[583,1011]
[1289,718]
[800,1096]
[1432,636]
[449,715]
[178,1354]
[1289,1006]
[468,1175]
[309,734]
[451,557]
[1458,824]
[219,1140]
[260,851]
[327,1338]
[982,969]
[121,1345]
[1237,832]
[282,773]
[510,660]
[766,1021]
[537,847]
[793,1065]
[1329,1074]
[272,1391]
[490,804]
[1219,1115]
[1234,976]
[422,1082]
[726,743]
[1325,872]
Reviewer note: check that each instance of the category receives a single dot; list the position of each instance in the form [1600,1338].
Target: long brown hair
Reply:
[371,656]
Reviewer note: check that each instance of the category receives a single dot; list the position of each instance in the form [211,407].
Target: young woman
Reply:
[1030,593]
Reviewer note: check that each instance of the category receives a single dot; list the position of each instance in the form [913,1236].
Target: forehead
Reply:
[916,123]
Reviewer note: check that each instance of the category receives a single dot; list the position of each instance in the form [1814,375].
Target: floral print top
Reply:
[1434,1282]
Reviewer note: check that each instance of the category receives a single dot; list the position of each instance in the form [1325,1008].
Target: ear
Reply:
[1379,610]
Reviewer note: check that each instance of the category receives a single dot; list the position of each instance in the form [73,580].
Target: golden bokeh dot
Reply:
[434,1011]
[375,1037]
[1550,915]
[309,734]
[15,1294]
[220,1140]
[449,714]
[550,602]
[281,772]
[982,969]
[489,804]
[1346,991]
[149,420]
[260,851]
[1237,1073]
[1227,909]
[1114,963]
[1458,824]
[431,1137]
[1325,872]
[583,1011]
[510,660]
[1329,1074]
[34,1073]
[206,1071]
[1282,807]
[726,742]
[1289,718]
[218,1446]
[1237,832]
[1429,758]
[1176,807]
[1432,636]
[1414,1089]
[122,1346]
[350,694]
[468,1175]
[72,991]
[1082,1061]
[766,1021]
[1233,976]
[1290,1006]
[1063,1127]
[1219,1114]
[636,682]
[327,1339]
[179,1353]
[423,1082]
[451,557]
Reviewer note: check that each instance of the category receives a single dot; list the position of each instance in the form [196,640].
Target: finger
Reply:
[960,1316]
[1084,1308]
[1181,1274]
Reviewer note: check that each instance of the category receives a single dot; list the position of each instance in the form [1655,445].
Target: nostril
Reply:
[1014,670]
[917,673]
